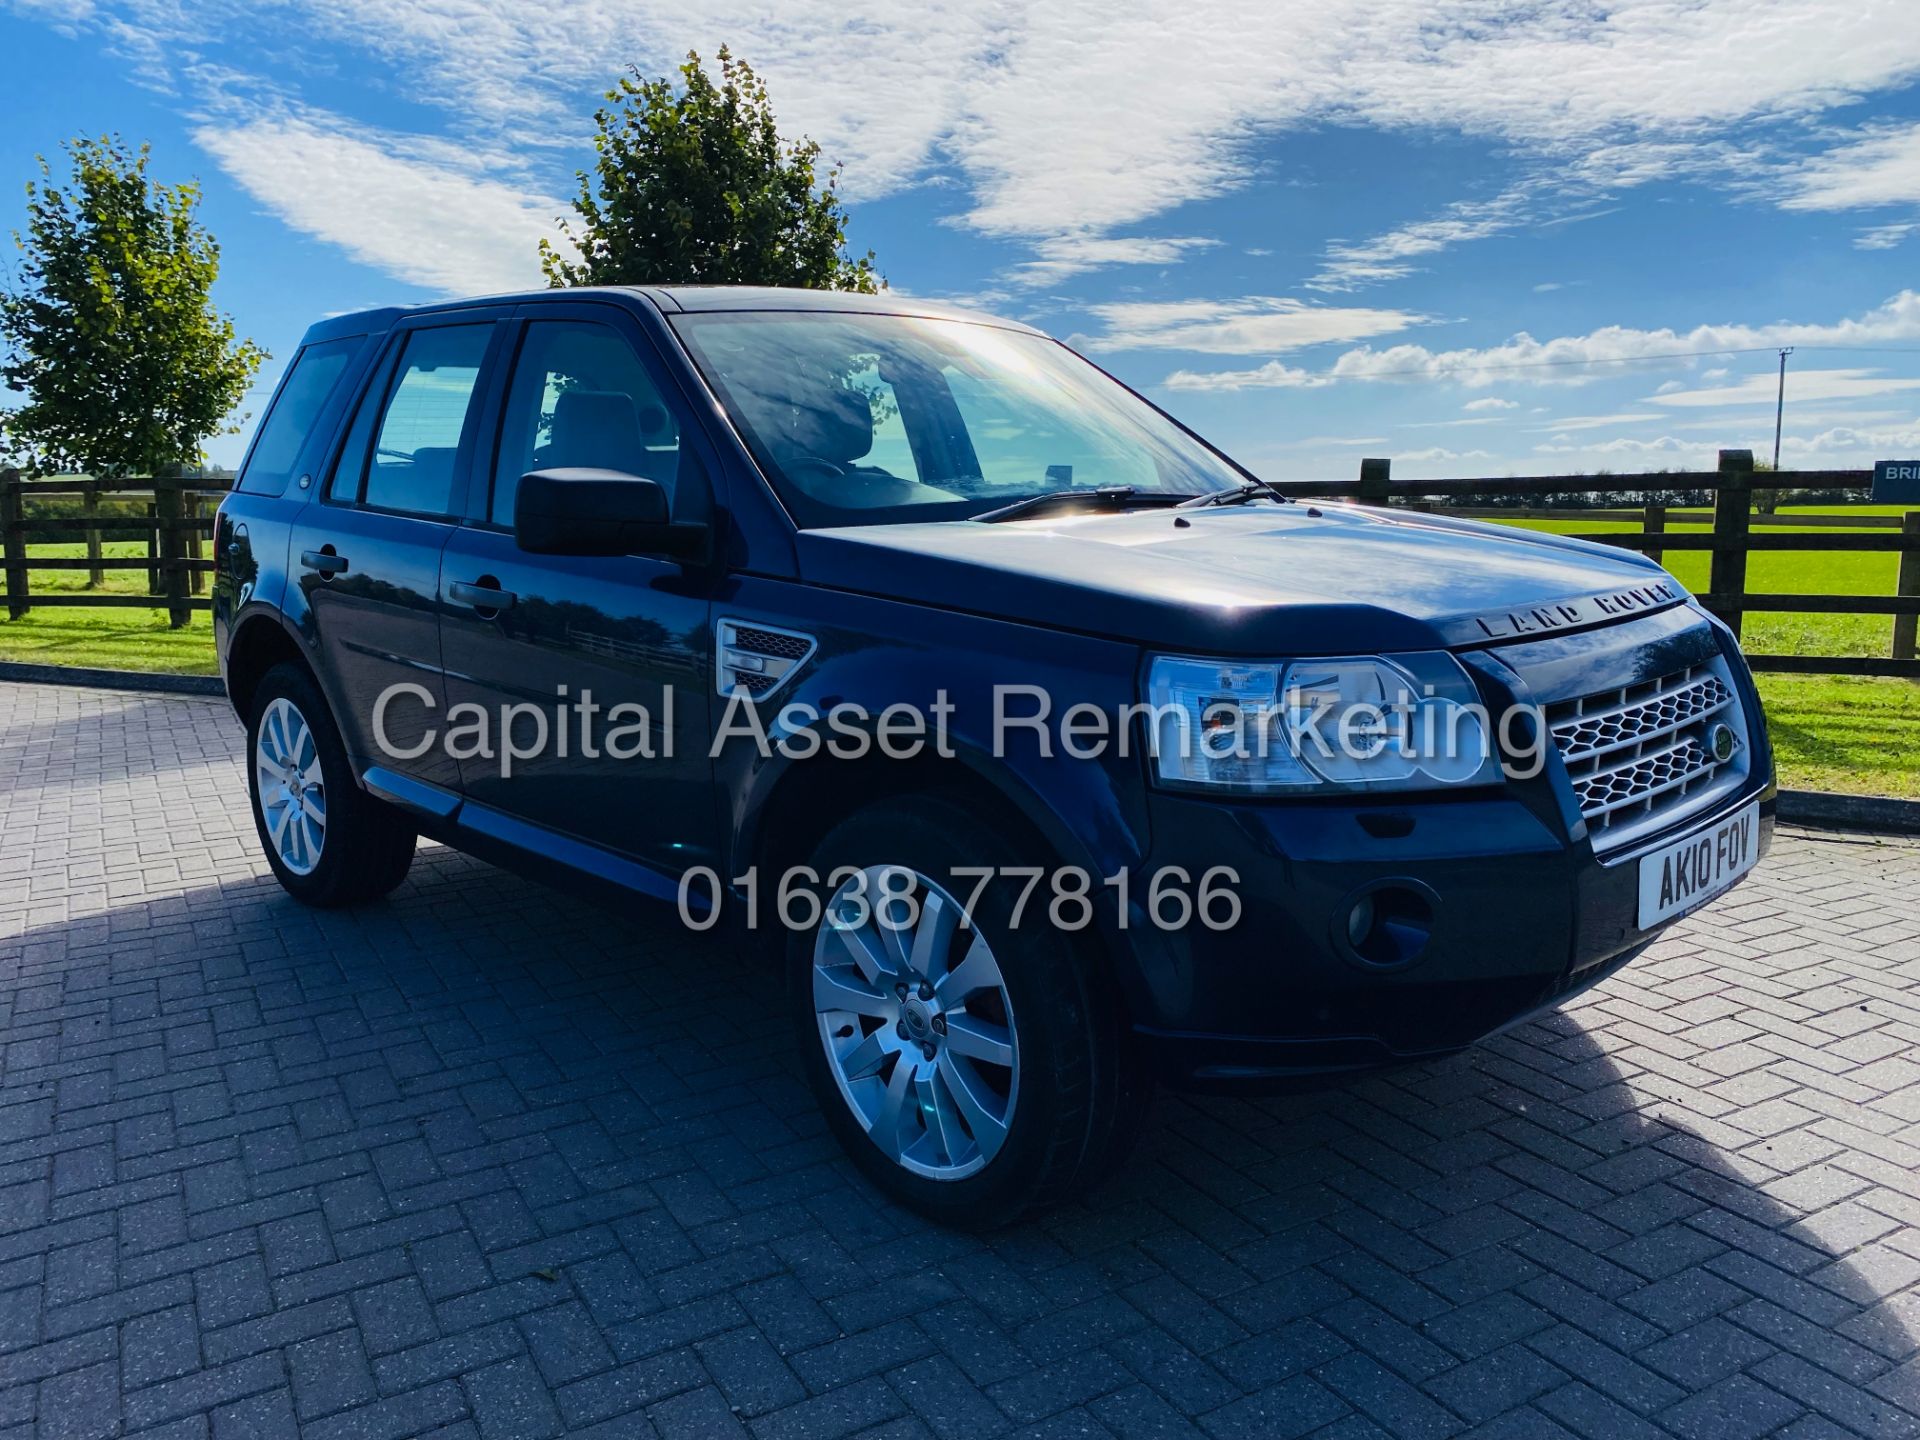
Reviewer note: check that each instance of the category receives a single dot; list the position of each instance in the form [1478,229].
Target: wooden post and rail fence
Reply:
[179,522]
[174,531]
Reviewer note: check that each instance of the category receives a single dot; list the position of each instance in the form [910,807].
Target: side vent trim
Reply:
[757,658]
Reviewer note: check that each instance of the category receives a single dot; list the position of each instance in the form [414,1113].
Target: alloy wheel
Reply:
[916,1020]
[292,789]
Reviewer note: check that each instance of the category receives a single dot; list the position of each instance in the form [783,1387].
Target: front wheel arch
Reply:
[792,809]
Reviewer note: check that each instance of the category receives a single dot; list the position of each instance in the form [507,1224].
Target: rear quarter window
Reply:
[312,380]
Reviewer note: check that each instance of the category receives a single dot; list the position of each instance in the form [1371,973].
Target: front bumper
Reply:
[1521,921]
[1521,913]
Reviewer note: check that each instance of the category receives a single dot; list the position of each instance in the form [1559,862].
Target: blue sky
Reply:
[1479,239]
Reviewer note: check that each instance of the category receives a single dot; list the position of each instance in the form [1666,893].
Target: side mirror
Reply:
[598,512]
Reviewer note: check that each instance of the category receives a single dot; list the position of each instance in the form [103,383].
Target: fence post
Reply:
[1904,626]
[1654,518]
[90,507]
[14,533]
[170,513]
[1732,518]
[153,547]
[1376,478]
[196,547]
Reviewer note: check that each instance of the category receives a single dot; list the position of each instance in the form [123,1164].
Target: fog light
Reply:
[1388,925]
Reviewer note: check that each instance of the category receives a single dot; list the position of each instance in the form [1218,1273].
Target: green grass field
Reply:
[109,637]
[1831,732]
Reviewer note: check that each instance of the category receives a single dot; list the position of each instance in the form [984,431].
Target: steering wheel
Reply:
[406,455]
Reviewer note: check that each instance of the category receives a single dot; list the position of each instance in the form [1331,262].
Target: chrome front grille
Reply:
[1642,755]
[1604,722]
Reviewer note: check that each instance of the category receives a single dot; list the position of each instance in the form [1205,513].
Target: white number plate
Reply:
[1686,874]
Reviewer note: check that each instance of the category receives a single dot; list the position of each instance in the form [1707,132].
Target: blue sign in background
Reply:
[1896,482]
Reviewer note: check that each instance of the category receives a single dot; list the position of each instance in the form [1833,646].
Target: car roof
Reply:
[701,298]
[675,299]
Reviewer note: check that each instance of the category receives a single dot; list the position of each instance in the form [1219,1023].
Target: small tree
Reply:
[108,329]
[695,186]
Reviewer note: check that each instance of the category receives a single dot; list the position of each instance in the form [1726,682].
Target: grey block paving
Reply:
[481,1162]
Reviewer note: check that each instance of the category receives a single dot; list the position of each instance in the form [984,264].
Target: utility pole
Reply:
[1780,404]
[1769,498]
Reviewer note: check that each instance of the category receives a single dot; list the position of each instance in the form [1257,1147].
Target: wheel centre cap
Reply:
[919,1023]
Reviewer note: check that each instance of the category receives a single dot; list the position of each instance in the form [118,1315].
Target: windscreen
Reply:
[877,419]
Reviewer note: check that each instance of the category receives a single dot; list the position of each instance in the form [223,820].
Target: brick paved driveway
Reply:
[473,1163]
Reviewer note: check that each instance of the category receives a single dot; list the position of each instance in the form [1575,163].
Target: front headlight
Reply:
[1414,722]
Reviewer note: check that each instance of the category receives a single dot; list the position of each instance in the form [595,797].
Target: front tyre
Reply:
[328,842]
[970,1066]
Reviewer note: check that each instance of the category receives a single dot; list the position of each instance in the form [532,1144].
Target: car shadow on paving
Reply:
[485,1158]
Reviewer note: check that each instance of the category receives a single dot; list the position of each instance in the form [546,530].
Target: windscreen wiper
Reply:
[1106,497]
[1241,494]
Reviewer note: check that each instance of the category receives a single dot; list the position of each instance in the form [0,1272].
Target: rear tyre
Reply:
[328,841]
[971,1067]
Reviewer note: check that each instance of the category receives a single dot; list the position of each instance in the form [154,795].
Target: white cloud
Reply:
[1582,357]
[1083,118]
[1591,422]
[1270,376]
[1838,446]
[1575,359]
[1065,255]
[1881,168]
[862,85]
[1252,325]
[1696,155]
[1352,264]
[1802,385]
[1440,452]
[1491,402]
[1730,422]
[1039,139]
[413,208]
[1307,441]
[1884,237]
[1664,445]
[1845,444]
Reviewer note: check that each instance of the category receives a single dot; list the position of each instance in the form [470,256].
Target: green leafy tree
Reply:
[108,330]
[694,186]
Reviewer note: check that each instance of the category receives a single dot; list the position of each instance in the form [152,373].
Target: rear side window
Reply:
[410,466]
[314,376]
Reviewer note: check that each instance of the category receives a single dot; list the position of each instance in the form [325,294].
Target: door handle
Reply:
[325,561]
[483,595]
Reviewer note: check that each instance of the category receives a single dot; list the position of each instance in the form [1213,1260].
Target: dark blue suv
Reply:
[1050,751]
